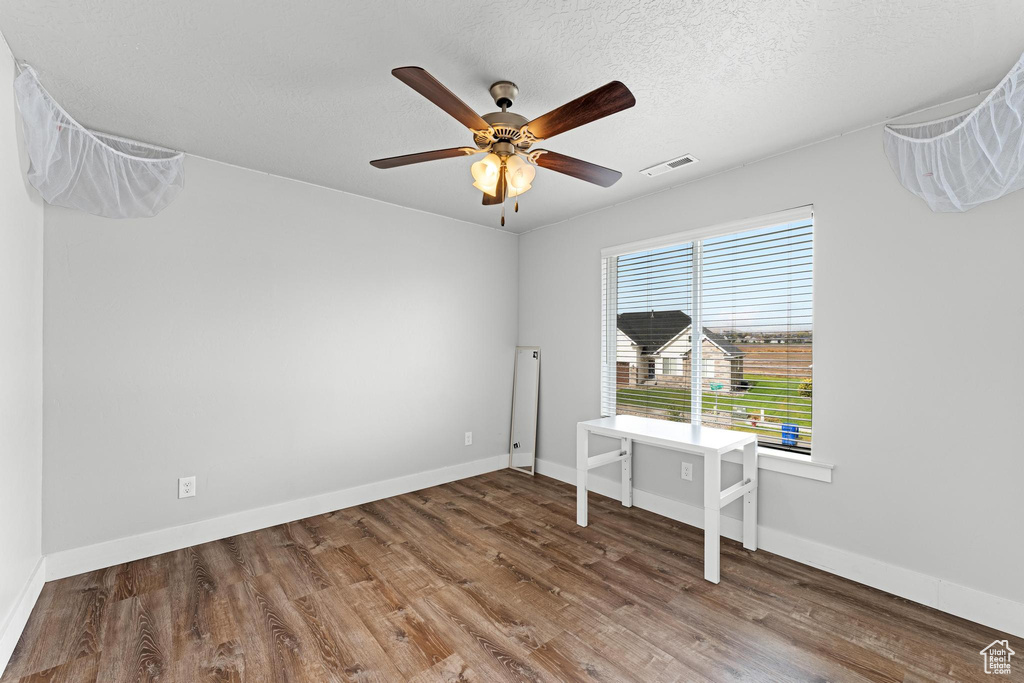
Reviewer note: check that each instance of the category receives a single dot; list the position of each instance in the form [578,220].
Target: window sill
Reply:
[788,463]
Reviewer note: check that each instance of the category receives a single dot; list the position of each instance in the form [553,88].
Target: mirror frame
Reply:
[531,470]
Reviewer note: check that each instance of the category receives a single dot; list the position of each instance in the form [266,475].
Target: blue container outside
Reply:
[790,432]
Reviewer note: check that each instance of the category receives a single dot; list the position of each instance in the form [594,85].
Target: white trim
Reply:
[120,550]
[12,630]
[787,463]
[697,336]
[609,336]
[774,460]
[800,213]
[983,608]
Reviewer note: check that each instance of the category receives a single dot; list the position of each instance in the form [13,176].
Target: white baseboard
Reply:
[11,631]
[118,551]
[983,608]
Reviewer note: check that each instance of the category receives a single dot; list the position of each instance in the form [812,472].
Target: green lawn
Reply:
[780,399]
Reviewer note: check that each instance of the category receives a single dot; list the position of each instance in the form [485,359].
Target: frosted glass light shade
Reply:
[485,173]
[520,175]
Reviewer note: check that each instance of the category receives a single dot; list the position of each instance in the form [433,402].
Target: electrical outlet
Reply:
[186,487]
[688,471]
[469,438]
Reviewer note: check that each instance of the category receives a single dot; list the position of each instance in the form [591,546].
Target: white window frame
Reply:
[771,459]
[673,362]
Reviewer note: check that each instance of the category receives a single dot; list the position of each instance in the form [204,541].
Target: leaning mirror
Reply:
[525,393]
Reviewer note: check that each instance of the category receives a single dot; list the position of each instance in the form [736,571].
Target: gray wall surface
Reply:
[275,339]
[910,308]
[21,346]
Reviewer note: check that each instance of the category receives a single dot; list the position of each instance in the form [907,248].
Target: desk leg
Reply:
[750,499]
[627,473]
[712,517]
[581,475]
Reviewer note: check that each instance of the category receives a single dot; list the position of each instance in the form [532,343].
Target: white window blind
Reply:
[750,293]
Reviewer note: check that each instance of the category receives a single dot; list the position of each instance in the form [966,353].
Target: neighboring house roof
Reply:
[653,330]
[722,343]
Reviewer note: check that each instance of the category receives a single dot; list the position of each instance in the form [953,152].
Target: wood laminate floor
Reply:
[487,579]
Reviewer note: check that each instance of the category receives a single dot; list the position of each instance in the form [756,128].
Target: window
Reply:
[673,366]
[748,288]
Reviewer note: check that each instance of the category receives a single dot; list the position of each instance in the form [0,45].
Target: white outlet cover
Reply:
[469,438]
[186,487]
[687,471]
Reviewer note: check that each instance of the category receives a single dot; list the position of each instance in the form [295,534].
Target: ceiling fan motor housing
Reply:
[506,127]
[505,124]
[503,149]
[504,93]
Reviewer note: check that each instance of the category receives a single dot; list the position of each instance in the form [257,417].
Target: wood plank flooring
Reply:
[487,579]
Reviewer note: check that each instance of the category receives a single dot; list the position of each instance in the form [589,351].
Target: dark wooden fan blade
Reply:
[406,159]
[499,193]
[584,170]
[595,105]
[431,88]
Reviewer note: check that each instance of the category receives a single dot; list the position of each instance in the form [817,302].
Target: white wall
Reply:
[275,339]
[926,442]
[21,392]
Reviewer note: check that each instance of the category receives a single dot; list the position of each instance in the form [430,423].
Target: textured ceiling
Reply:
[304,90]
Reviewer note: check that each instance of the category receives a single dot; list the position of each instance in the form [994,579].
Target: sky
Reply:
[755,281]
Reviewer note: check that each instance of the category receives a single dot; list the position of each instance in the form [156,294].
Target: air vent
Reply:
[670,165]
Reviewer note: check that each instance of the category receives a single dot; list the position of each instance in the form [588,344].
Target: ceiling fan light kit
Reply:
[518,174]
[505,138]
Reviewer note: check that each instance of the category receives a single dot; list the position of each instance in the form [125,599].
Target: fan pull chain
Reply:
[504,195]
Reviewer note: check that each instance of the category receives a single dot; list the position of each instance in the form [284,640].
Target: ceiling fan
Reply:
[505,138]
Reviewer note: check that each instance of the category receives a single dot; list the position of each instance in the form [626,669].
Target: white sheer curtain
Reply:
[961,161]
[94,172]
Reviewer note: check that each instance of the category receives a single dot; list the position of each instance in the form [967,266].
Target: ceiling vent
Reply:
[670,165]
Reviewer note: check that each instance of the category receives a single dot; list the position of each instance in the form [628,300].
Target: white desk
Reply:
[707,442]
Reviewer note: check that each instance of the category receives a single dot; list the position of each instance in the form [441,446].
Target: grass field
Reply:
[778,397]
